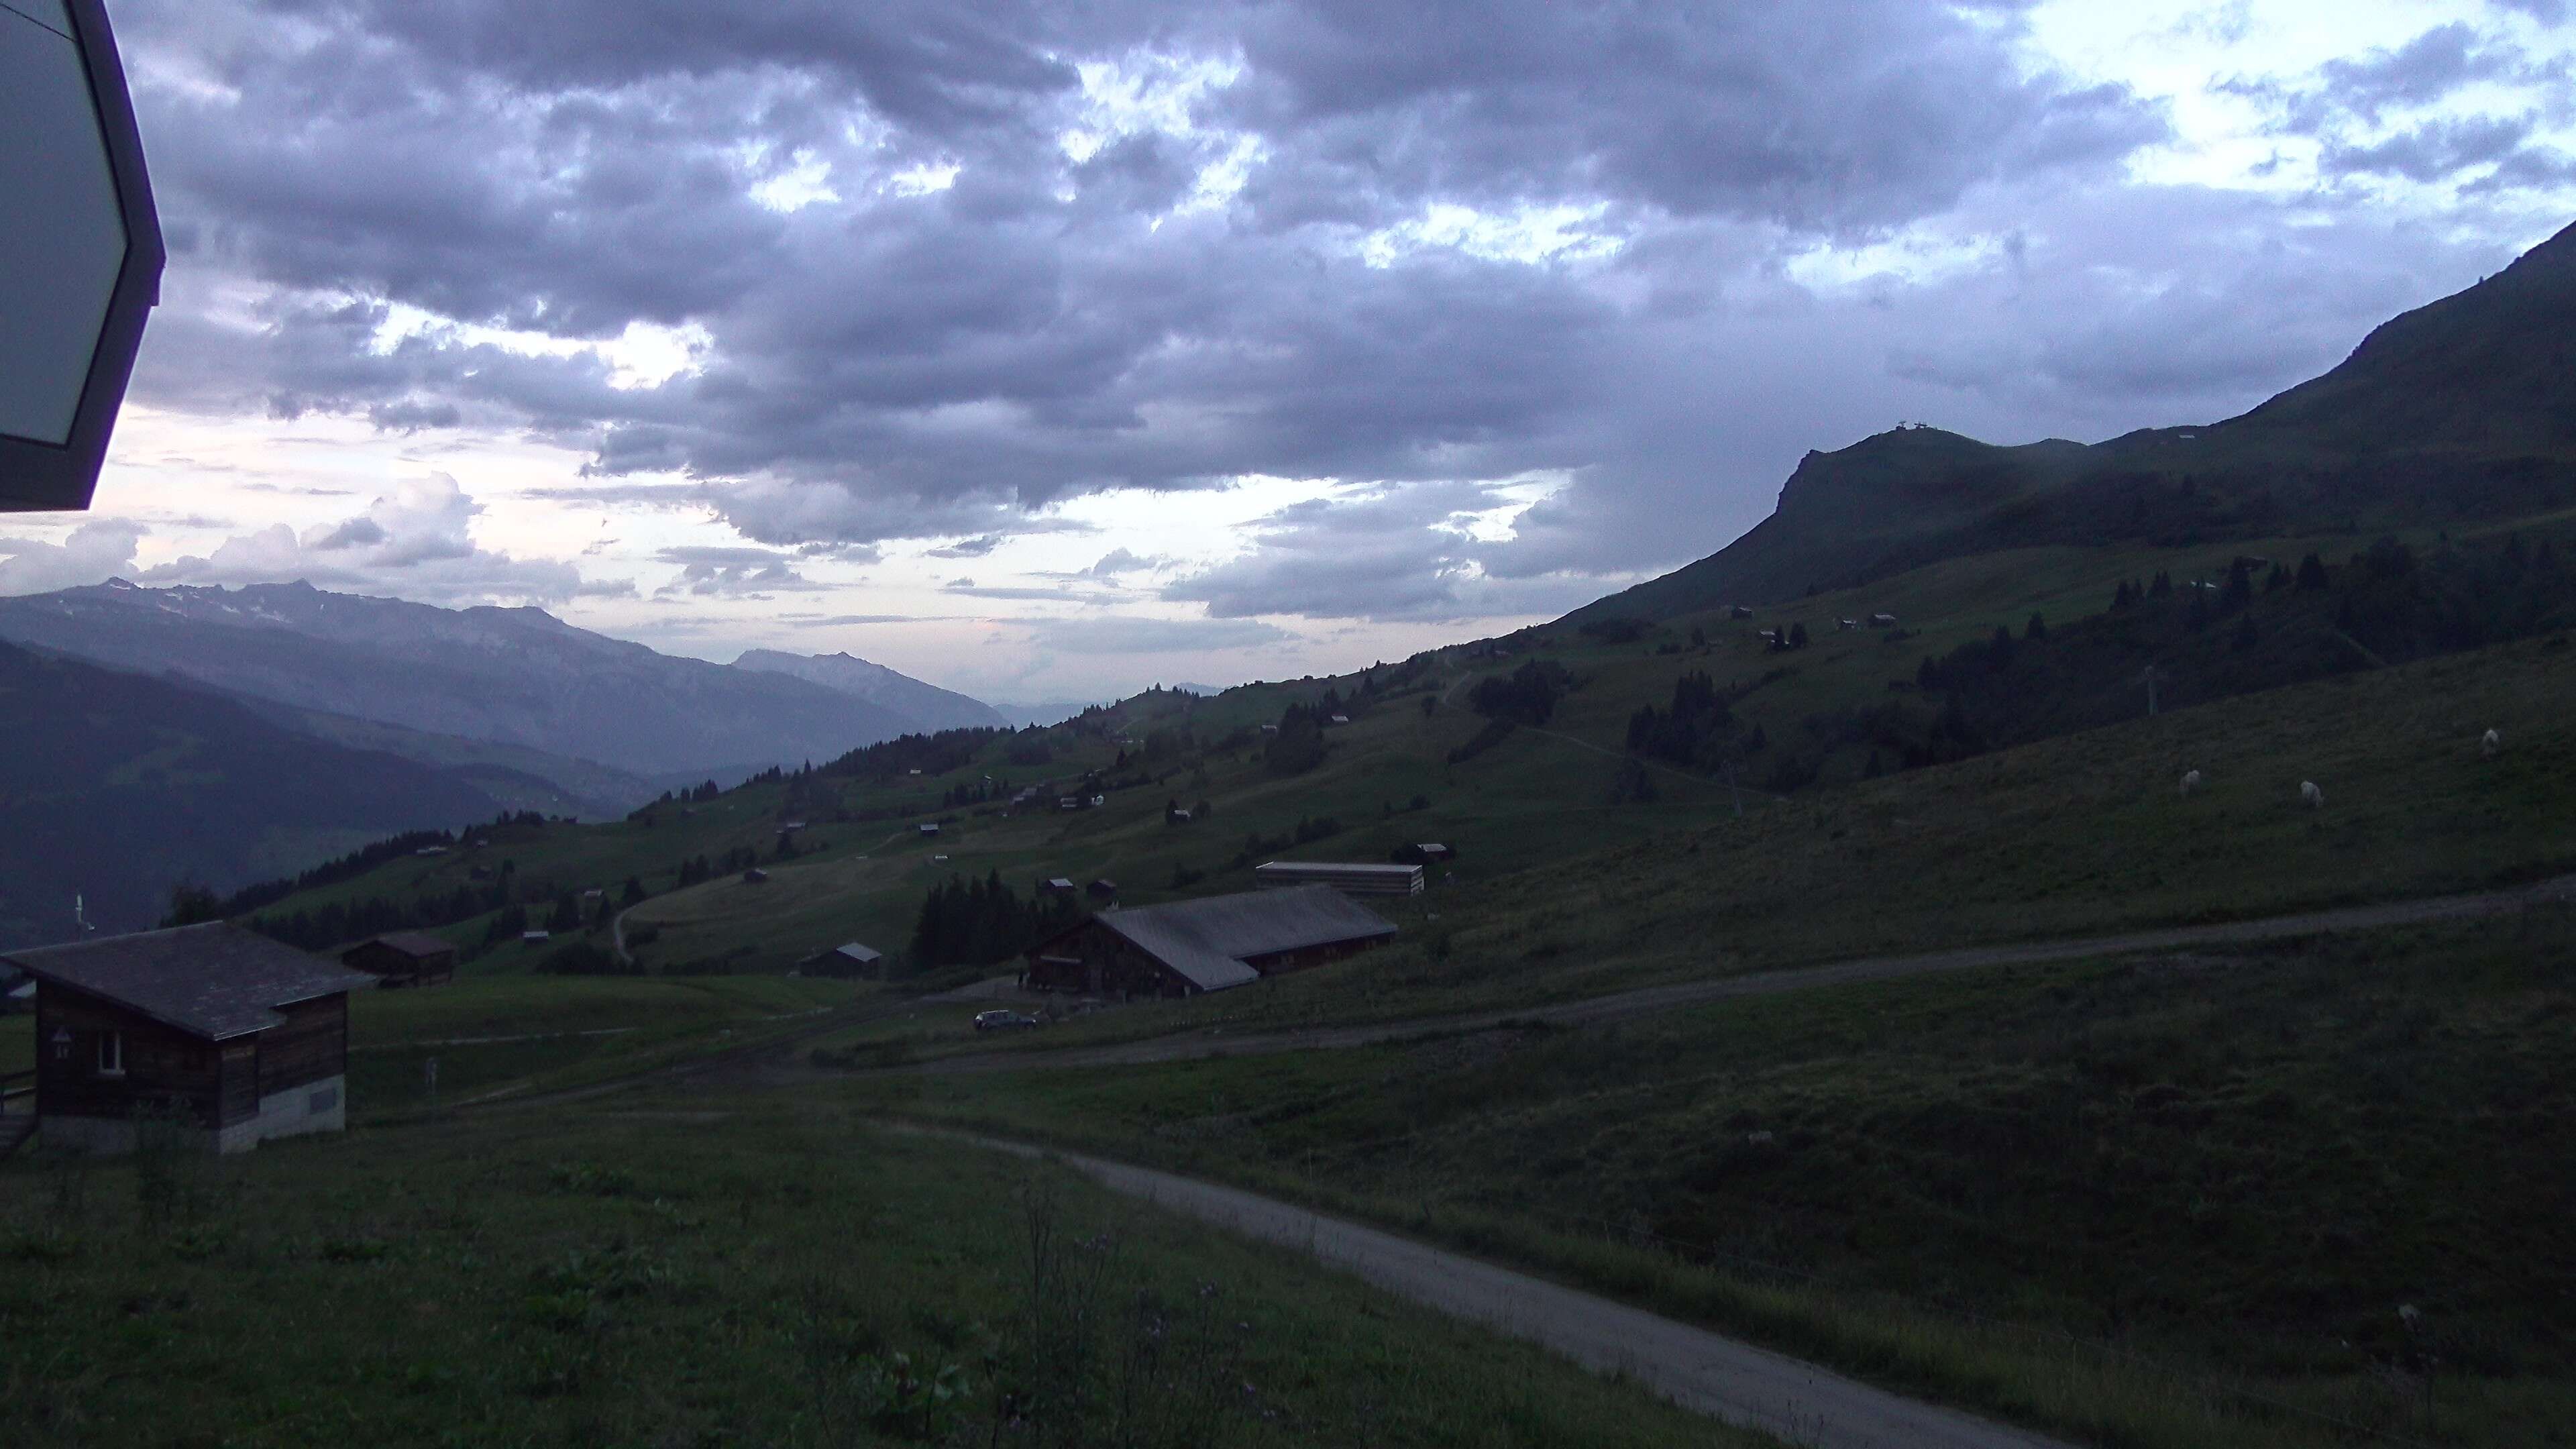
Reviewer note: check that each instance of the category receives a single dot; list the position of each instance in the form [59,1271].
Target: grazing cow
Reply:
[2190,781]
[2488,747]
[2315,798]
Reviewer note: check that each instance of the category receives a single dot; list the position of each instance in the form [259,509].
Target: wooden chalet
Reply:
[850,958]
[1209,944]
[232,1035]
[404,958]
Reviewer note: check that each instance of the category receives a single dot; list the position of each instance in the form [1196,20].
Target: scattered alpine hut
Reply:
[1103,891]
[404,958]
[850,958]
[1209,944]
[1357,877]
[230,1036]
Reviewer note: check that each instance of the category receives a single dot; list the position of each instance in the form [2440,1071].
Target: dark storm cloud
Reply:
[879,359]
[1829,115]
[2432,151]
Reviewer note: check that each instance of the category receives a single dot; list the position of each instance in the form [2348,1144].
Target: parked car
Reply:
[1004,1021]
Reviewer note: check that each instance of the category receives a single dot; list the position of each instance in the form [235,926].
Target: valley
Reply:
[2079,936]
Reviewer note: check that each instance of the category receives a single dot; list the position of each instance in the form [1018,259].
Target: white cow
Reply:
[2491,745]
[2190,781]
[2315,798]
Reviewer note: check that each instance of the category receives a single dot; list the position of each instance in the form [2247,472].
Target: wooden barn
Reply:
[235,1037]
[1210,944]
[404,958]
[850,958]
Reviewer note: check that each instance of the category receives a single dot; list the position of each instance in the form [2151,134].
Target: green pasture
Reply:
[2218,1177]
[498,1036]
[659,1273]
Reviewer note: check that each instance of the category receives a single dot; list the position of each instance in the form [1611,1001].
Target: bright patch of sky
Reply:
[2198,57]
[924,179]
[1529,235]
[806,180]
[645,354]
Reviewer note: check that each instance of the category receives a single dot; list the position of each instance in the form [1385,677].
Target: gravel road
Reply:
[1651,1000]
[1699,1370]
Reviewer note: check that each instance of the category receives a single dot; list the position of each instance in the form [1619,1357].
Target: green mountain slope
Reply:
[115,787]
[2465,408]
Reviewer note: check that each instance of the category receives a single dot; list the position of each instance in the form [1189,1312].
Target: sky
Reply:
[1048,351]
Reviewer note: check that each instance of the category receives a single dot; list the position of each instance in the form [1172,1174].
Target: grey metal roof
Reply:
[862,954]
[216,981]
[1206,940]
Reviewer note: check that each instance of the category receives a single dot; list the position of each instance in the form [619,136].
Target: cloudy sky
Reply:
[1050,350]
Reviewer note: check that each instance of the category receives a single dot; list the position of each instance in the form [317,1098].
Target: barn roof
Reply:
[215,981]
[1207,940]
[864,955]
[416,944]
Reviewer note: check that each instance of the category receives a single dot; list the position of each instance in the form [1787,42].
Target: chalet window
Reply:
[111,1054]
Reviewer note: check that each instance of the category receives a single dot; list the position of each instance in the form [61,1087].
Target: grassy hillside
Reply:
[760,1273]
[1414,764]
[2083,835]
[117,787]
[2236,1166]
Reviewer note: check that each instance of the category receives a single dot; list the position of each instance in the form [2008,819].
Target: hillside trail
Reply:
[1735,1382]
[1655,1000]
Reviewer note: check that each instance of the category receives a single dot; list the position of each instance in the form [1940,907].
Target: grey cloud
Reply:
[1123,561]
[720,572]
[968,548]
[96,551]
[884,367]
[2432,151]
[904,367]
[2547,12]
[355,533]
[417,533]
[1396,554]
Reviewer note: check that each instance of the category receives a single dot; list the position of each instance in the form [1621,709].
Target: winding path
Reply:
[1735,1382]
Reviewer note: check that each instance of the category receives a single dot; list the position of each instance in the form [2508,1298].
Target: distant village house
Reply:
[850,958]
[404,958]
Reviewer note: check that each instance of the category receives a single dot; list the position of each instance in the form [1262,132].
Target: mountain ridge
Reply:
[927,705]
[2464,407]
[518,677]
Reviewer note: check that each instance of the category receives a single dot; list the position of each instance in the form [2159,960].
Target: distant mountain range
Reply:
[929,707]
[515,677]
[221,736]
[2460,409]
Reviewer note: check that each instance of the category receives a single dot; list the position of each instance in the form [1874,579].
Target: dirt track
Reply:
[1694,1368]
[1651,1000]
